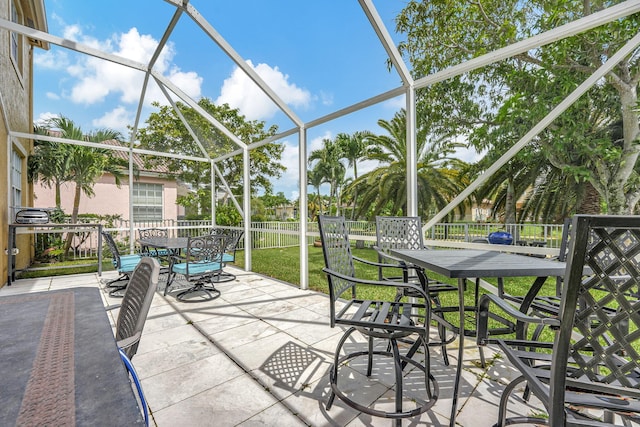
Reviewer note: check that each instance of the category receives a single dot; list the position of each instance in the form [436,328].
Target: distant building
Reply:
[154,194]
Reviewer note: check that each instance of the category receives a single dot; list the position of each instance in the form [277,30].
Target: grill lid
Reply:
[32,216]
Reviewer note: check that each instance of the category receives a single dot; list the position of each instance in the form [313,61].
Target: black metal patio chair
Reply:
[124,264]
[202,265]
[405,232]
[232,238]
[589,374]
[389,320]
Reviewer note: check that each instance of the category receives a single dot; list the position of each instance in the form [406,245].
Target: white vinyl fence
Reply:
[285,234]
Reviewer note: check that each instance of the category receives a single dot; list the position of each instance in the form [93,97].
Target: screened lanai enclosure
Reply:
[189,50]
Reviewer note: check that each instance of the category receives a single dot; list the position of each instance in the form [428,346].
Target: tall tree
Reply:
[439,36]
[355,147]
[327,162]
[75,163]
[440,176]
[49,164]
[166,132]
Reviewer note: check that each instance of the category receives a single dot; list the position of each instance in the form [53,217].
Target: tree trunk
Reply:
[590,203]
[74,219]
[510,204]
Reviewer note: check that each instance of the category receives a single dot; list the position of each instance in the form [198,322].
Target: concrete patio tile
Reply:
[482,407]
[312,333]
[167,358]
[267,305]
[204,310]
[295,317]
[310,404]
[267,417]
[166,338]
[230,339]
[190,379]
[163,317]
[242,296]
[228,404]
[254,354]
[216,324]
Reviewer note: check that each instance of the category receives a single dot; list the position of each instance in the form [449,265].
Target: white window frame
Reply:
[16,181]
[152,206]
[16,39]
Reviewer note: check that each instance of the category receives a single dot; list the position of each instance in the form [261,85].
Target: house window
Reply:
[16,181]
[16,39]
[147,202]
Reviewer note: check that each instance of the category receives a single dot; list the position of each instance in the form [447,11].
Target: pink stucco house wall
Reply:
[111,200]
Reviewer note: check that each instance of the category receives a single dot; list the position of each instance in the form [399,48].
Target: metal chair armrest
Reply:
[377,264]
[387,283]
[483,316]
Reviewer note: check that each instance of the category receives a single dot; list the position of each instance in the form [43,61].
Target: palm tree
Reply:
[355,147]
[384,188]
[328,164]
[315,179]
[75,163]
[49,164]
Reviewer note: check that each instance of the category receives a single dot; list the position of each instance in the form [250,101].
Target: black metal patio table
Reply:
[59,362]
[465,264]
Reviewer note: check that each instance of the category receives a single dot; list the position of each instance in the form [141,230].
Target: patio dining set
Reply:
[200,260]
[576,349]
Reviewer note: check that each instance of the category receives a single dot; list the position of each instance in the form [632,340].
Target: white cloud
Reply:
[53,96]
[290,160]
[98,79]
[239,91]
[116,119]
[316,143]
[326,98]
[54,59]
[43,117]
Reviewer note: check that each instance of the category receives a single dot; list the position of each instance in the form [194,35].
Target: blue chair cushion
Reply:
[228,258]
[128,263]
[197,268]
[129,258]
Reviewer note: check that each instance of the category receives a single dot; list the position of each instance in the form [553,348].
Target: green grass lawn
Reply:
[43,269]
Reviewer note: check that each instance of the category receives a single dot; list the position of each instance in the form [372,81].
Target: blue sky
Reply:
[318,55]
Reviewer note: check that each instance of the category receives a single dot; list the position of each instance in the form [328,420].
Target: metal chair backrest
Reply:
[204,249]
[564,242]
[610,247]
[337,255]
[135,305]
[232,238]
[146,233]
[399,232]
[113,248]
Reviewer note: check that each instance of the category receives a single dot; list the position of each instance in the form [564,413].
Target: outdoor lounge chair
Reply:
[124,264]
[388,320]
[589,374]
[405,232]
[202,265]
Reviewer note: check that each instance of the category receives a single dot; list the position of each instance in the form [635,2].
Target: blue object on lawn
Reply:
[500,238]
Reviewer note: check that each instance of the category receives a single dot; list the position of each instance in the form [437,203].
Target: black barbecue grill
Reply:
[32,216]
